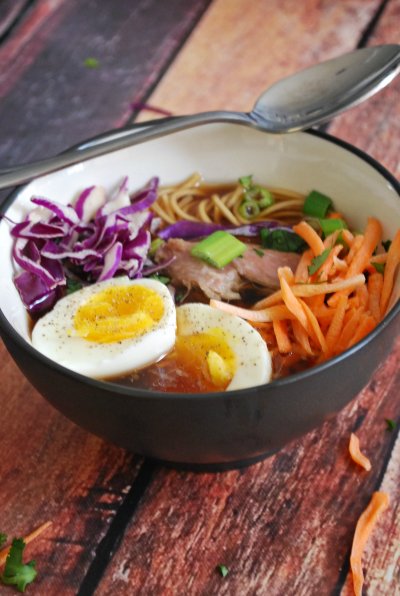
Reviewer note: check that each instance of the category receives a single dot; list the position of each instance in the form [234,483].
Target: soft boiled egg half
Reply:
[109,328]
[233,354]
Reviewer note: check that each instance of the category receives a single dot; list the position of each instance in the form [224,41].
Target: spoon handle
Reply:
[116,139]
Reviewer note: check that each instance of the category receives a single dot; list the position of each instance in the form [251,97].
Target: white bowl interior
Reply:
[221,153]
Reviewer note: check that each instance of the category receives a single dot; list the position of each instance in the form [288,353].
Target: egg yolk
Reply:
[209,353]
[118,313]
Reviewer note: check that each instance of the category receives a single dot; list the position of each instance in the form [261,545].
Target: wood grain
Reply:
[235,54]
[10,11]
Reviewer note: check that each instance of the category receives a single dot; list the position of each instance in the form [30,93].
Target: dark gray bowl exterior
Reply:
[216,430]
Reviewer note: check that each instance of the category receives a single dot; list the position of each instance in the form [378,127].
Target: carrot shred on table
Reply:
[392,263]
[356,455]
[309,235]
[27,539]
[379,502]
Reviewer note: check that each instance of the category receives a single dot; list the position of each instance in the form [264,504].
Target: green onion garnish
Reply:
[254,192]
[91,63]
[259,252]
[317,204]
[282,240]
[223,570]
[249,209]
[318,261]
[219,249]
[246,181]
[328,226]
[164,279]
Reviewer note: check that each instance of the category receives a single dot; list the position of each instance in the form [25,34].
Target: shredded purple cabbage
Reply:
[188,230]
[93,240]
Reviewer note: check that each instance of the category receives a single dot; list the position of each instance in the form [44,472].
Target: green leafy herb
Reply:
[318,261]
[73,285]
[164,279]
[390,424]
[180,295]
[3,539]
[386,244]
[317,204]
[259,252]
[222,570]
[380,267]
[218,249]
[16,573]
[282,240]
[91,62]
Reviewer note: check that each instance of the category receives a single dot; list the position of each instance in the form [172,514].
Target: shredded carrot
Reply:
[301,337]
[309,235]
[379,502]
[325,268]
[349,329]
[375,284]
[291,301]
[28,538]
[362,295]
[372,237]
[336,325]
[266,315]
[392,263]
[355,246]
[301,274]
[282,336]
[316,329]
[304,290]
[348,237]
[366,325]
[356,455]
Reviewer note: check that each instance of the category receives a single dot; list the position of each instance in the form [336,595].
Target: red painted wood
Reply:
[10,10]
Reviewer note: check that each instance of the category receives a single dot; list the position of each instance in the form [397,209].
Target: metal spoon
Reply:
[302,100]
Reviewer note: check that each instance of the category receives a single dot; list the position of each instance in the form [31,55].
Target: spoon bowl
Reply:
[302,100]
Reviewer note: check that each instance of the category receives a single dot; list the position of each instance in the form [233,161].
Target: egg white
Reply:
[52,335]
[253,360]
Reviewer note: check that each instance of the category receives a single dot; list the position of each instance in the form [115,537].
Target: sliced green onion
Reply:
[155,245]
[266,199]
[73,285]
[390,424]
[219,249]
[246,181]
[259,252]
[318,261]
[223,570]
[249,209]
[282,240]
[329,226]
[317,204]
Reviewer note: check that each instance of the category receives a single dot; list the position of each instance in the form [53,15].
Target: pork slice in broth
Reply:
[225,283]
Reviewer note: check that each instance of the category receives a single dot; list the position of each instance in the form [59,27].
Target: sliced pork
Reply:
[225,283]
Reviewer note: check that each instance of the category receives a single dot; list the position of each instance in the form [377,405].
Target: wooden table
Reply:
[122,524]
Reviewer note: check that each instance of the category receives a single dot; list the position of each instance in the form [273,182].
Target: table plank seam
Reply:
[14,18]
[109,544]
[372,25]
[168,63]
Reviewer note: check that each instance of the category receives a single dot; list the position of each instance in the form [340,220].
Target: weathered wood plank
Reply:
[237,51]
[51,100]
[374,135]
[381,559]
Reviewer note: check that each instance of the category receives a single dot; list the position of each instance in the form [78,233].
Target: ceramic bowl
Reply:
[215,430]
